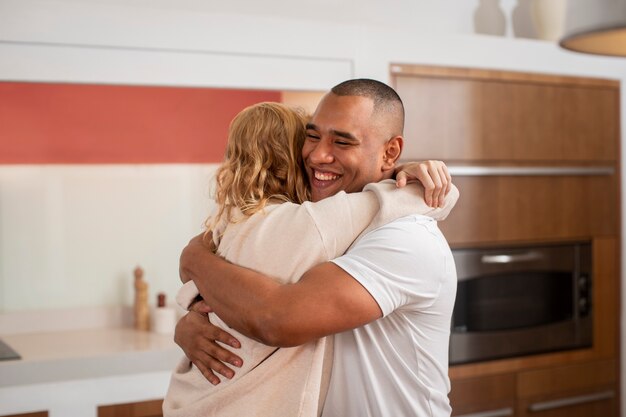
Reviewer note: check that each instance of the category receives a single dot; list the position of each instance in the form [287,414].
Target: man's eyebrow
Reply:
[340,133]
[345,135]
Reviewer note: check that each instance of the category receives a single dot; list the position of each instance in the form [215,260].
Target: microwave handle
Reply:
[511,258]
[502,412]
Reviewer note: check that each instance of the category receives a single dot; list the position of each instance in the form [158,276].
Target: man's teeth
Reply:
[322,176]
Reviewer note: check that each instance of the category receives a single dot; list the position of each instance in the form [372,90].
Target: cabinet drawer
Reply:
[37,414]
[600,402]
[492,395]
[152,408]
[587,376]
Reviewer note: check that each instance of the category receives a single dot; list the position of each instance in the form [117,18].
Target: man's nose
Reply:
[322,153]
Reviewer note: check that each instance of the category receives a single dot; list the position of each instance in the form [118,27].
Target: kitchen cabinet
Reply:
[578,390]
[537,155]
[139,409]
[536,160]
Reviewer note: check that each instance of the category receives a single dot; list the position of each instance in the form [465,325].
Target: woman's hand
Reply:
[433,175]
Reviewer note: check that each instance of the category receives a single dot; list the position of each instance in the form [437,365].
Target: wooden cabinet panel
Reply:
[481,395]
[461,117]
[566,378]
[443,120]
[606,296]
[141,409]
[512,208]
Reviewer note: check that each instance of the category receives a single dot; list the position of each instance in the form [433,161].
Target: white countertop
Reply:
[86,354]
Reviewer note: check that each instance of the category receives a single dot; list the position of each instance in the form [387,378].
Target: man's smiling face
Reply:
[344,148]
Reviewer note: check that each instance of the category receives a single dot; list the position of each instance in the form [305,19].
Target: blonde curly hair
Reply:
[263,161]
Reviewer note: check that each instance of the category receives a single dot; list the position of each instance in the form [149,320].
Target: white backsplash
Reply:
[71,235]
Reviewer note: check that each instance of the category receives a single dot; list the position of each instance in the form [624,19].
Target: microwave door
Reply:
[517,302]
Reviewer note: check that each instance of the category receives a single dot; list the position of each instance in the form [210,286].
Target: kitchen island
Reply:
[72,373]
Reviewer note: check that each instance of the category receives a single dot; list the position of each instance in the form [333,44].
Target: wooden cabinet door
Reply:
[550,122]
[473,115]
[532,208]
[590,403]
[579,390]
[490,395]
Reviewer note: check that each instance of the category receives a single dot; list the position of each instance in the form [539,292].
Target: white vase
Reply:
[549,18]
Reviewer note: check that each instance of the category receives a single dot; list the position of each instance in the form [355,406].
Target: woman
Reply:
[264,222]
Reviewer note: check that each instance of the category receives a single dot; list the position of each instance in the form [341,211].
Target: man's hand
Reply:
[433,175]
[198,339]
[202,242]
[200,306]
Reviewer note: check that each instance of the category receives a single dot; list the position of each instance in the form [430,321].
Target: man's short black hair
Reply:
[385,98]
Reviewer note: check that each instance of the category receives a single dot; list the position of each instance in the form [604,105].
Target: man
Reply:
[388,300]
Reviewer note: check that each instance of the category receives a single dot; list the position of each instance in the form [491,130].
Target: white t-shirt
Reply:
[398,365]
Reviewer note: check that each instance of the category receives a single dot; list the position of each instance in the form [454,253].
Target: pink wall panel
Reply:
[71,123]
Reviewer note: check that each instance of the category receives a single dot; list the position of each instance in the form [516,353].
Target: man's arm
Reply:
[325,301]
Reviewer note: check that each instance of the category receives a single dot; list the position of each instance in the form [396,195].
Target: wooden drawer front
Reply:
[566,378]
[600,402]
[532,208]
[489,120]
[37,414]
[484,394]
[581,390]
[141,409]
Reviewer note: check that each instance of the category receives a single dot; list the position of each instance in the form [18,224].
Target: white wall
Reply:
[71,235]
[277,44]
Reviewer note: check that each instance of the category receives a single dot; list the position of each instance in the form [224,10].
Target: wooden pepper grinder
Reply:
[141,308]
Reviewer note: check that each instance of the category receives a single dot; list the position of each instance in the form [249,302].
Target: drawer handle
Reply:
[512,258]
[501,412]
[565,402]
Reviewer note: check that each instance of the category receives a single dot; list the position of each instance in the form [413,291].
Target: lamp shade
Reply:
[595,27]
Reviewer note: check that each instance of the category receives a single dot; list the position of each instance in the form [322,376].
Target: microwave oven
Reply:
[521,300]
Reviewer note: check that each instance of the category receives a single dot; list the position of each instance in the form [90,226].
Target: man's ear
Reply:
[393,149]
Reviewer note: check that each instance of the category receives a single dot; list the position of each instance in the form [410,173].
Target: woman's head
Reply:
[263,159]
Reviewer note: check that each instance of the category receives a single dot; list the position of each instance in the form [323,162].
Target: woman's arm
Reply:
[433,175]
